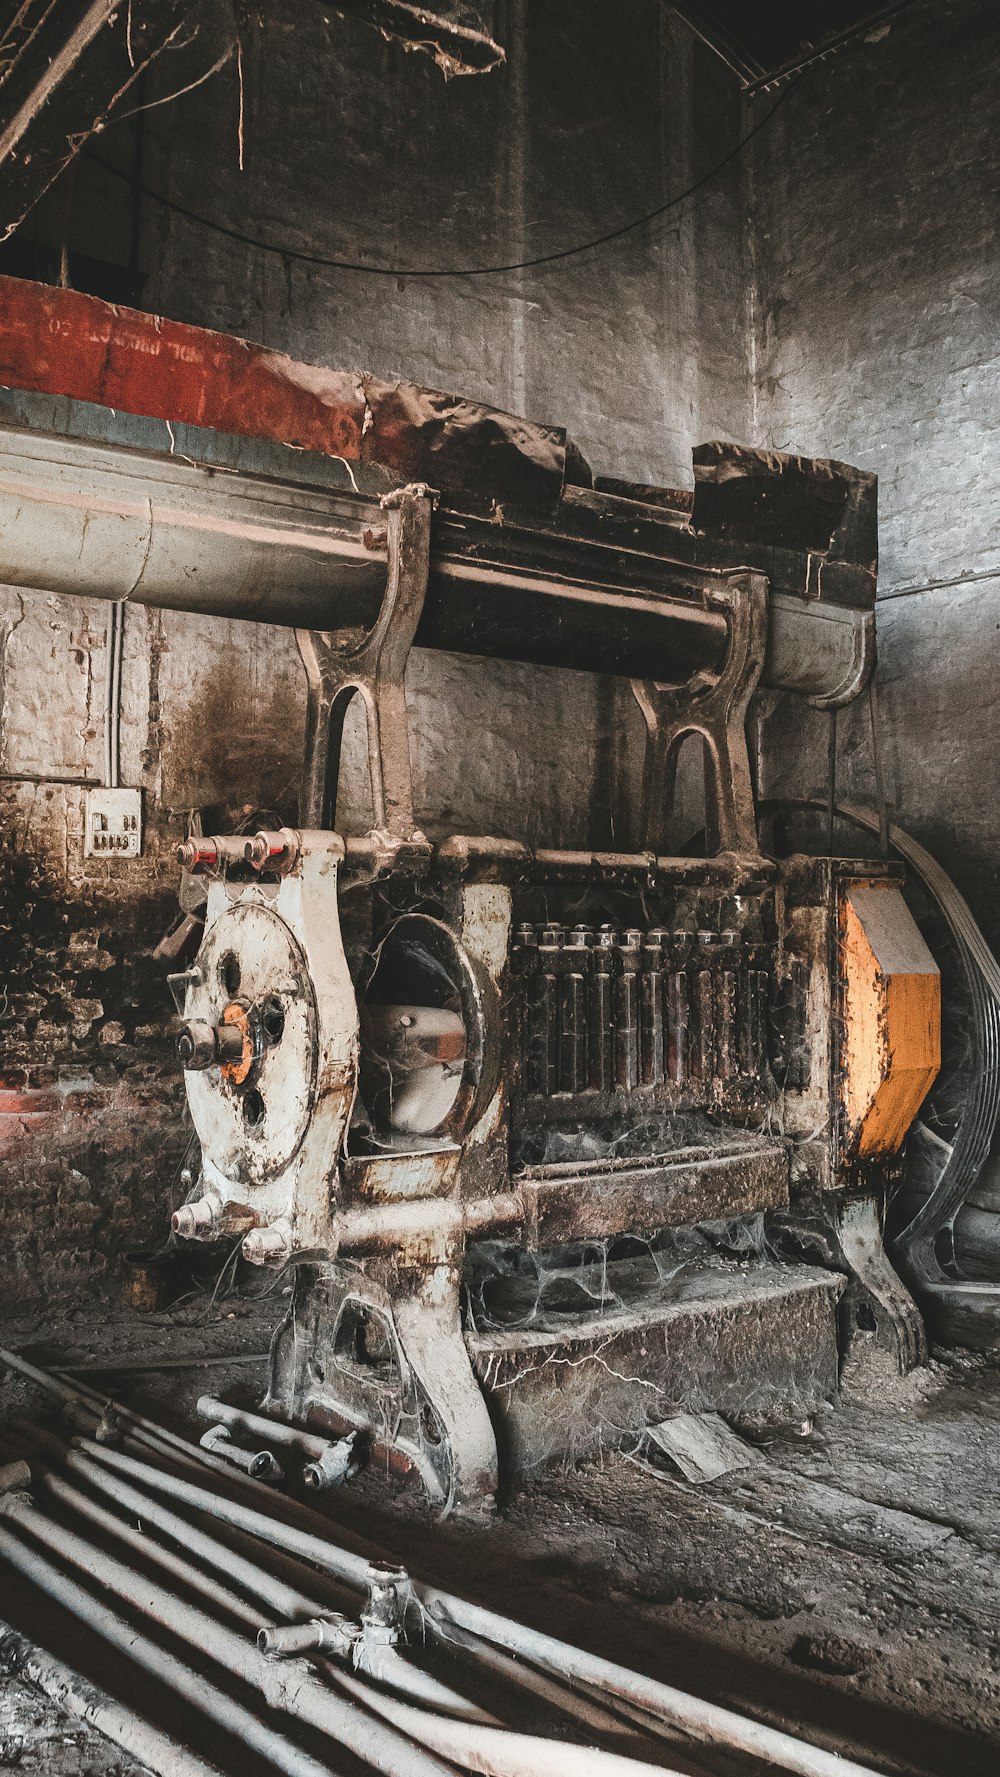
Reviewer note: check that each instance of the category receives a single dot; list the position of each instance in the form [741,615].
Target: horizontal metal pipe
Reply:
[98,521]
[502,1752]
[276,1430]
[196,1692]
[102,521]
[692,1715]
[169,1563]
[352,1569]
[156,1751]
[389,1224]
[287,1685]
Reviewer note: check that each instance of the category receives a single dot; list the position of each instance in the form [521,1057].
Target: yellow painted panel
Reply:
[891,1047]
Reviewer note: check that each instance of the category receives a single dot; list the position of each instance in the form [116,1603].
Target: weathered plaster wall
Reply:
[877,302]
[351,149]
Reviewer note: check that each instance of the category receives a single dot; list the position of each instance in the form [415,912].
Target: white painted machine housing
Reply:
[282,1167]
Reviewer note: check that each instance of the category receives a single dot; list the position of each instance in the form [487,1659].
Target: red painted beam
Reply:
[59,342]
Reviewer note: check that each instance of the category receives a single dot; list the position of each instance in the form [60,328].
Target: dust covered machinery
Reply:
[558,1143]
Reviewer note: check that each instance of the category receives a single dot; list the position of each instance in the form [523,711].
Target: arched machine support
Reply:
[713,706]
[340,663]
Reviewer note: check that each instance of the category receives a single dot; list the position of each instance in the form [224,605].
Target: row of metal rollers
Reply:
[611,1010]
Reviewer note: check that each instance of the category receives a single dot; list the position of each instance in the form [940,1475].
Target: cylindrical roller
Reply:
[575,972]
[678,1007]
[550,940]
[629,960]
[600,1048]
[651,1008]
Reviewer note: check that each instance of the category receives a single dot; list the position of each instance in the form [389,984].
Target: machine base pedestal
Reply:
[752,1343]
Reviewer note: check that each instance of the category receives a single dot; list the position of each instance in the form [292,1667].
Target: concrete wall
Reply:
[351,149]
[877,304]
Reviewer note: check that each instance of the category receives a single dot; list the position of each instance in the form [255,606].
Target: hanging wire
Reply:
[284,251]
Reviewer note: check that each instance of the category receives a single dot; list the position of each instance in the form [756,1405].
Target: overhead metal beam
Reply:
[737,32]
[67,67]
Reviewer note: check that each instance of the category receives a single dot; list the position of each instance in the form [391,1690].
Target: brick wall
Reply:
[874,236]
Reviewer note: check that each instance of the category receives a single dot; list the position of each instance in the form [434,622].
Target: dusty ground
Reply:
[849,1583]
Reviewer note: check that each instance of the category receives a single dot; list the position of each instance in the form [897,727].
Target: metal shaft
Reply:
[157,1751]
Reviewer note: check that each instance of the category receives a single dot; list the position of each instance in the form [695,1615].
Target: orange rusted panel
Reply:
[61,342]
[891,1042]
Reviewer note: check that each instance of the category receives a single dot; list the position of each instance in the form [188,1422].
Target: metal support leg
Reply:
[338,664]
[899,1326]
[716,709]
[380,1347]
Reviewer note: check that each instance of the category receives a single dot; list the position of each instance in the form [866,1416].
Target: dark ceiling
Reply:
[764,39]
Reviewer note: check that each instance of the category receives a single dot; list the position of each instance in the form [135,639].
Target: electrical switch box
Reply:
[113,824]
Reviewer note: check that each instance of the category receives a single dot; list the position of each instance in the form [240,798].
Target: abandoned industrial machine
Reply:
[556,1142]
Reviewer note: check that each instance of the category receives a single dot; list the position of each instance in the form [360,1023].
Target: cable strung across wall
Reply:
[468,271]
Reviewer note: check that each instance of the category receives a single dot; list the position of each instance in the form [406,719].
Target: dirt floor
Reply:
[847,1584]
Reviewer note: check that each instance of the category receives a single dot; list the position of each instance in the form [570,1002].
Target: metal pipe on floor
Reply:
[197,1692]
[281,1585]
[288,1685]
[221,1597]
[552,1691]
[353,1569]
[241,1419]
[387,1666]
[691,1715]
[281,1599]
[501,1752]
[326,1461]
[261,1465]
[160,1440]
[76,1695]
[503,1757]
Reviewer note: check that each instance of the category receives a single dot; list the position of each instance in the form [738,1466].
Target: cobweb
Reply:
[510,1286]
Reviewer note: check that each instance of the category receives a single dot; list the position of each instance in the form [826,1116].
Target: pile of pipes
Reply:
[223,1592]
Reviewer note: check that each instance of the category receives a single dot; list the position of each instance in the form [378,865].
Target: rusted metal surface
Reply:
[716,711]
[60,342]
[606,1197]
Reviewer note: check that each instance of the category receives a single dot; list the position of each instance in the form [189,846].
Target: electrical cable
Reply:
[469,271]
